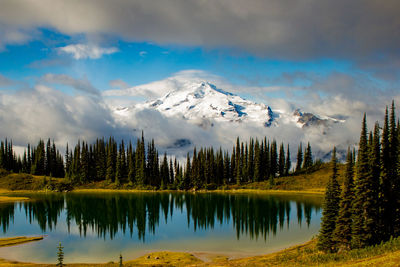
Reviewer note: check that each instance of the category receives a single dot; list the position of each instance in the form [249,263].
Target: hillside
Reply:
[314,180]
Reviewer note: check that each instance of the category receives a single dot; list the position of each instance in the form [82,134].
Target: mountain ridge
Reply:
[204,104]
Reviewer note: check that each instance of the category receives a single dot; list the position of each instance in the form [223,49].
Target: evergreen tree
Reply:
[308,161]
[281,161]
[239,162]
[288,163]
[395,177]
[171,172]
[60,255]
[342,233]
[386,208]
[257,162]
[140,161]
[187,176]
[118,169]
[84,165]
[164,172]
[131,164]
[250,165]
[227,168]
[299,158]
[273,158]
[371,206]
[326,241]
[38,167]
[124,169]
[110,173]
[362,191]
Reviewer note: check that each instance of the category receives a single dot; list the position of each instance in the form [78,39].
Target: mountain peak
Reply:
[204,104]
[202,100]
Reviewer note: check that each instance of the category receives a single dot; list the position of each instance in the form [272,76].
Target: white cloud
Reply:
[82,85]
[84,51]
[142,53]
[42,112]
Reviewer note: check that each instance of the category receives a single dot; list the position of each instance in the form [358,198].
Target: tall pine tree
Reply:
[326,241]
[342,233]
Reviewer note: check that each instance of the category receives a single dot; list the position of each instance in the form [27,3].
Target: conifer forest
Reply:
[365,210]
[141,165]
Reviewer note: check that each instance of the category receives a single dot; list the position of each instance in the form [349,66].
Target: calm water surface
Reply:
[98,227]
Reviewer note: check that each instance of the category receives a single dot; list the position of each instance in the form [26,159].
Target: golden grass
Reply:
[6,199]
[12,241]
[300,255]
[165,258]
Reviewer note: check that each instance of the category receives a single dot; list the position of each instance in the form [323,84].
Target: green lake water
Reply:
[96,227]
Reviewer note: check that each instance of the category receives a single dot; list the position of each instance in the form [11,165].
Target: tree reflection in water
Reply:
[253,215]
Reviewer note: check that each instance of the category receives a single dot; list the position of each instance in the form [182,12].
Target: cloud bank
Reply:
[42,112]
[304,29]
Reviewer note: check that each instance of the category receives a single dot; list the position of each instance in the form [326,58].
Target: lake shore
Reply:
[306,254]
[259,191]
[7,199]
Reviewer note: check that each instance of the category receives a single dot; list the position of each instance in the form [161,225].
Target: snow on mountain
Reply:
[202,103]
[187,112]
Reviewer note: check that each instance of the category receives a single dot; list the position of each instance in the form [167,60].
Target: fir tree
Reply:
[342,233]
[288,163]
[118,169]
[299,158]
[281,161]
[308,161]
[131,164]
[60,255]
[257,162]
[395,178]
[362,191]
[386,208]
[140,161]
[273,159]
[110,173]
[326,241]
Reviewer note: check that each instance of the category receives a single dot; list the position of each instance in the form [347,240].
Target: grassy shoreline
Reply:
[303,183]
[7,199]
[306,254]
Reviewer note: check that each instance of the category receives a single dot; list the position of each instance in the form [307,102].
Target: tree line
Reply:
[366,211]
[40,160]
[141,165]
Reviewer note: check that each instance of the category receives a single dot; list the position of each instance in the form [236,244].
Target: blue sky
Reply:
[142,62]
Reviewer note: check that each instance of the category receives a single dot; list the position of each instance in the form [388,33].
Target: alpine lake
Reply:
[98,227]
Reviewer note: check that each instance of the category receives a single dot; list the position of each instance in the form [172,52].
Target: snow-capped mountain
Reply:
[186,112]
[202,103]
